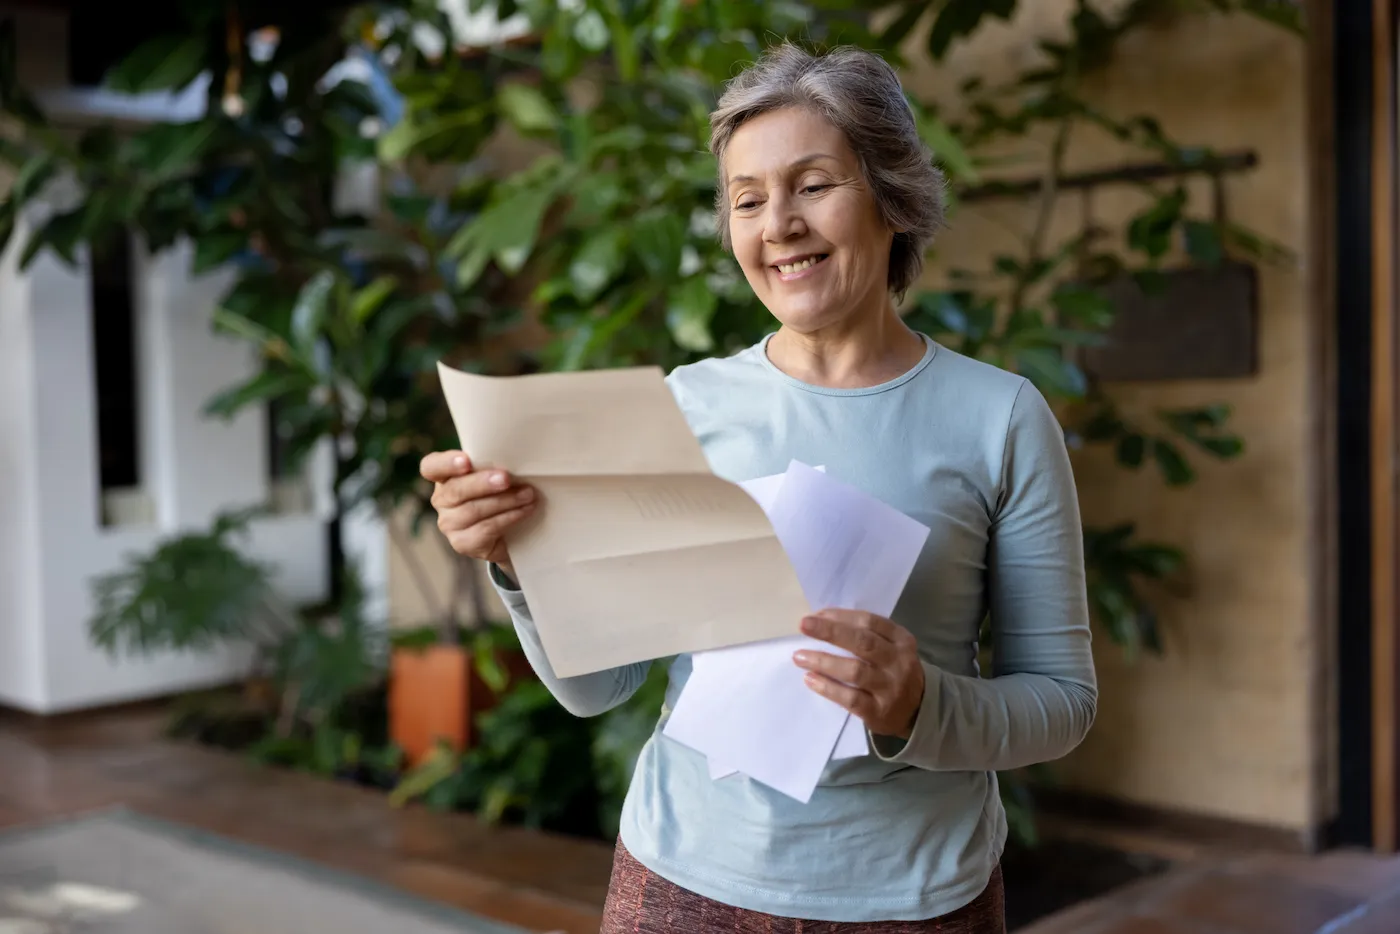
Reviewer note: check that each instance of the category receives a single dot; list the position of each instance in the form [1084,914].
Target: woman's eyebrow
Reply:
[795,164]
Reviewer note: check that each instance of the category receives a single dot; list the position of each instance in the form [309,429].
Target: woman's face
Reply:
[803,224]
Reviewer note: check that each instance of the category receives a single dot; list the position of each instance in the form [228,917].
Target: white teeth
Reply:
[787,268]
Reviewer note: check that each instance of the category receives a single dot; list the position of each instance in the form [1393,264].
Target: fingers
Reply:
[480,538]
[858,638]
[877,624]
[441,466]
[861,703]
[851,671]
[455,491]
[474,511]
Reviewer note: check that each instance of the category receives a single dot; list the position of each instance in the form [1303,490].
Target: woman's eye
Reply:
[746,205]
[813,189]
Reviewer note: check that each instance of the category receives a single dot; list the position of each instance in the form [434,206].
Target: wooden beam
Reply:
[1385,440]
[1130,174]
[1323,557]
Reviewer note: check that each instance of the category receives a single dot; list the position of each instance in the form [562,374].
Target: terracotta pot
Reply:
[435,695]
[429,698]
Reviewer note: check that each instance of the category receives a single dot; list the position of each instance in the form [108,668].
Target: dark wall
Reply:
[1352,105]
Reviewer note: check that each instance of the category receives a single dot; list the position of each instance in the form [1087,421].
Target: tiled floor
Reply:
[544,883]
[533,880]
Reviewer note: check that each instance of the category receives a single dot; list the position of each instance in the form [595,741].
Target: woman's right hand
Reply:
[475,507]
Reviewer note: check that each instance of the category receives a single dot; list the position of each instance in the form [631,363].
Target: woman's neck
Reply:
[868,351]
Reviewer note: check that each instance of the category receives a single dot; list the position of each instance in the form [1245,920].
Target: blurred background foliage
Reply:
[544,201]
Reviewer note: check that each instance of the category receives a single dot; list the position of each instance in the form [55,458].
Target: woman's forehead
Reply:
[783,141]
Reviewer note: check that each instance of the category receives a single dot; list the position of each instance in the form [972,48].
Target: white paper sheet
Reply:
[747,707]
[852,742]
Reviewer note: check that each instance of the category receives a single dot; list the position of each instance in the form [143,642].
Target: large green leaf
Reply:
[506,230]
[1081,305]
[948,150]
[33,176]
[692,305]
[901,26]
[624,46]
[1050,371]
[62,234]
[1175,470]
[409,135]
[268,385]
[165,150]
[311,310]
[959,18]
[1151,231]
[369,299]
[214,249]
[591,31]
[528,110]
[1203,242]
[165,63]
[237,324]
[595,265]
[658,241]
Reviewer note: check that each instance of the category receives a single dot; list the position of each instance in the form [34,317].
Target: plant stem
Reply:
[415,568]
[1045,211]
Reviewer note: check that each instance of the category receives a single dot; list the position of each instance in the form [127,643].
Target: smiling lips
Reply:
[794,267]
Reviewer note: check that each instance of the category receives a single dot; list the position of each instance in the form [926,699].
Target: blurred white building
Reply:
[104,371]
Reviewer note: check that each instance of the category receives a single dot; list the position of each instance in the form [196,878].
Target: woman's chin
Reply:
[805,318]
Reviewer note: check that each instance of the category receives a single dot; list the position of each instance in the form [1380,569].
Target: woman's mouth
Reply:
[797,266]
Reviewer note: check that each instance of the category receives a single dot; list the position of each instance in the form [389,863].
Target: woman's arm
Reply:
[583,696]
[1041,700]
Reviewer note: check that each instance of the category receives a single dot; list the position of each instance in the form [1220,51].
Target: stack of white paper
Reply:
[747,707]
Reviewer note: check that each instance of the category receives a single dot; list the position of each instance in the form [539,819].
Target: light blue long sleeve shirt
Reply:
[913,830]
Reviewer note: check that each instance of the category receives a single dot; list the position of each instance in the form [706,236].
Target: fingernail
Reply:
[801,657]
[812,681]
[459,462]
[527,494]
[498,479]
[809,625]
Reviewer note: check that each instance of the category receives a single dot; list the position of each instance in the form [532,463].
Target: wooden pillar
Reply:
[1385,439]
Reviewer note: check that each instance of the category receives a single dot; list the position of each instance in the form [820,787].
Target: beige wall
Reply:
[421,578]
[1221,724]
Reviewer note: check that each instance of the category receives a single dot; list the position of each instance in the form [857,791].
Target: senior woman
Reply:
[828,200]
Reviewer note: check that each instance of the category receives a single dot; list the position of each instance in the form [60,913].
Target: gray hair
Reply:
[860,94]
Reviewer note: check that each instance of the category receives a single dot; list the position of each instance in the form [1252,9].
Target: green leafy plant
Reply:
[192,592]
[529,764]
[195,591]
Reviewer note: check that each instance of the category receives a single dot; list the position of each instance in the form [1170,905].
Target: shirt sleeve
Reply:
[583,696]
[1042,696]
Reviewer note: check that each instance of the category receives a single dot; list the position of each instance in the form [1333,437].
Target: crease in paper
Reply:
[608,562]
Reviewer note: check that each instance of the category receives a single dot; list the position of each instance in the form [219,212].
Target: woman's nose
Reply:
[784,221]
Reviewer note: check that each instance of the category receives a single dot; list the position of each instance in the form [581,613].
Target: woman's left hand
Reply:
[883,684]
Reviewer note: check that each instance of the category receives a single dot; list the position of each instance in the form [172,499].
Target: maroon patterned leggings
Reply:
[641,902]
